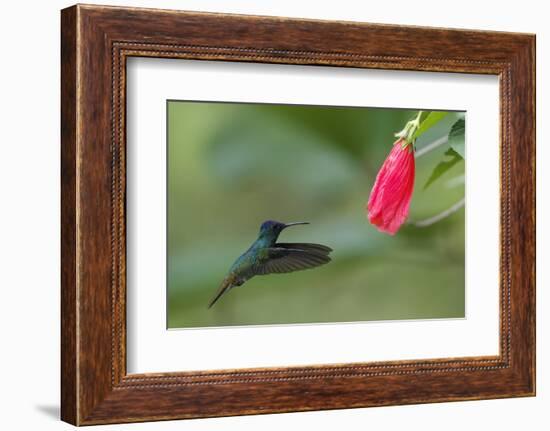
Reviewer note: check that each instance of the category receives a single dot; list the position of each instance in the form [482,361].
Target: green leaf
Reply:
[456,137]
[431,120]
[452,159]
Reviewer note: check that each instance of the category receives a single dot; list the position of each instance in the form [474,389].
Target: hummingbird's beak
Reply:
[296,223]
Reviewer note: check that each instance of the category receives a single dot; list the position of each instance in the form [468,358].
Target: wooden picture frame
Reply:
[95,43]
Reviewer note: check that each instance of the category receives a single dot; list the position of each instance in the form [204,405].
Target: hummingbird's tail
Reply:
[227,283]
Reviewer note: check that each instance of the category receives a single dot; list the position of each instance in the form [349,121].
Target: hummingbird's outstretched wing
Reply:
[315,248]
[285,257]
[281,258]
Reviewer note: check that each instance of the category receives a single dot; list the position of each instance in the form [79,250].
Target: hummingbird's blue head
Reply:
[275,227]
[272,226]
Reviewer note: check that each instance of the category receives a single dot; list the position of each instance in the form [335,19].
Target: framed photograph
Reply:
[267,215]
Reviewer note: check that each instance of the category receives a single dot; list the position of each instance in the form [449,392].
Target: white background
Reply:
[151,348]
[29,217]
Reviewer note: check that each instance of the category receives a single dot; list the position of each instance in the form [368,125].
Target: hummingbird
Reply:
[267,256]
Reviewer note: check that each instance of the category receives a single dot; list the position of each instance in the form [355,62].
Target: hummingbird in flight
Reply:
[267,256]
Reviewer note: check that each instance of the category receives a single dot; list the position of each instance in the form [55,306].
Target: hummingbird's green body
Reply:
[266,256]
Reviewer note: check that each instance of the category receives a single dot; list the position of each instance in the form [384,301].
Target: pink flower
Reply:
[391,194]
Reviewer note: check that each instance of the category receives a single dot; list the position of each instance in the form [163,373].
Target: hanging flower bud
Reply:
[390,198]
[391,194]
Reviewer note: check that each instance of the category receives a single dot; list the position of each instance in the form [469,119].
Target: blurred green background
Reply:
[231,166]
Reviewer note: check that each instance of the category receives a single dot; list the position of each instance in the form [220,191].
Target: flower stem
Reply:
[407,134]
[442,215]
[431,146]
